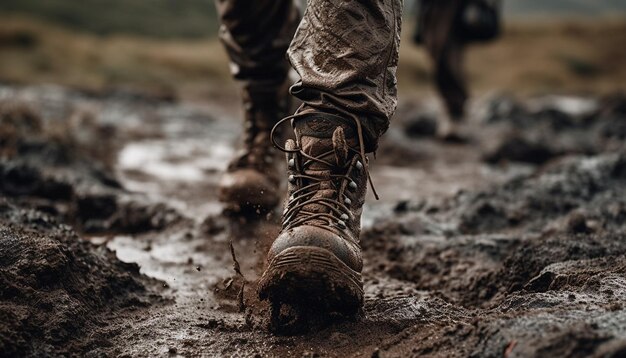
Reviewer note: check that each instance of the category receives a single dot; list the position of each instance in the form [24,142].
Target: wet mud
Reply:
[113,244]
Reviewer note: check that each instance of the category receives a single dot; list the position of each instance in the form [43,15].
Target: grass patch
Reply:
[94,62]
[154,18]
[566,56]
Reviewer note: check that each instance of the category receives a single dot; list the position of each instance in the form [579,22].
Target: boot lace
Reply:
[338,212]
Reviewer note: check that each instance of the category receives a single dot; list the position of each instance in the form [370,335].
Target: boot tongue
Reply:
[326,140]
[318,136]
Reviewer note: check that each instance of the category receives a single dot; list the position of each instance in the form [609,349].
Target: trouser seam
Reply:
[392,47]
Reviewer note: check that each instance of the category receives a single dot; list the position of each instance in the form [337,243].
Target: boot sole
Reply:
[311,279]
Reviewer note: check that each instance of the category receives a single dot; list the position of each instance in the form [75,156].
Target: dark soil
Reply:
[66,168]
[58,291]
[547,127]
[113,244]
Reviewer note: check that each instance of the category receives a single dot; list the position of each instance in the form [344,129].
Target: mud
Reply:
[550,126]
[113,244]
[65,167]
[58,292]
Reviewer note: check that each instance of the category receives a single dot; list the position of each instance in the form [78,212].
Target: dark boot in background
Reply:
[251,182]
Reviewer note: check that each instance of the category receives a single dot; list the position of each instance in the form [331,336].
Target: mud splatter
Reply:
[237,268]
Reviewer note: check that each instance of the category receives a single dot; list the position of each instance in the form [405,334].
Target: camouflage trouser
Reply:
[345,51]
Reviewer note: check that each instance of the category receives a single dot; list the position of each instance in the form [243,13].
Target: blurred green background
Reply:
[197,18]
[169,46]
[158,18]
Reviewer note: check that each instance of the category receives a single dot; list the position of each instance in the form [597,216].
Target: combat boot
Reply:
[316,261]
[252,179]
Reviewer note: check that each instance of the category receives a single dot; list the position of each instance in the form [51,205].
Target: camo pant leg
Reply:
[346,53]
[256,35]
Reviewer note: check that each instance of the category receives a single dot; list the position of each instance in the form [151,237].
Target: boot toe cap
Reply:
[306,235]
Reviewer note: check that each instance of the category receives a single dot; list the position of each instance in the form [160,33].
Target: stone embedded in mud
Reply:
[56,288]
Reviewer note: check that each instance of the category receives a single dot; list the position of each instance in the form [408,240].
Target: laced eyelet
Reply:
[335,210]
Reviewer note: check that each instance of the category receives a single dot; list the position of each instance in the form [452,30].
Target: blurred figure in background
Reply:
[445,27]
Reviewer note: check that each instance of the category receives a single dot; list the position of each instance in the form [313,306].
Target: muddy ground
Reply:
[510,243]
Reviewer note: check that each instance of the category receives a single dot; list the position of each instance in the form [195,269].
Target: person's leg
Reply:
[346,53]
[450,79]
[256,35]
[446,51]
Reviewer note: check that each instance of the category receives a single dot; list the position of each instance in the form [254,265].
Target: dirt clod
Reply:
[58,290]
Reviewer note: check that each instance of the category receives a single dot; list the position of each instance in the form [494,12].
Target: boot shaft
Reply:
[327,178]
[263,108]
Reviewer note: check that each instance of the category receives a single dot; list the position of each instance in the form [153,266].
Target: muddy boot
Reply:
[250,184]
[315,263]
